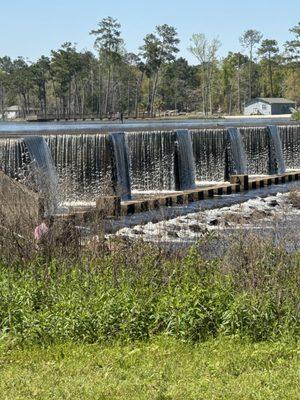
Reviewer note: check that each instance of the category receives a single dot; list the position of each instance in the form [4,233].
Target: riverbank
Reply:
[126,291]
[136,321]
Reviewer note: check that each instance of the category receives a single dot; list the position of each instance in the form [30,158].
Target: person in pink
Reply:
[40,231]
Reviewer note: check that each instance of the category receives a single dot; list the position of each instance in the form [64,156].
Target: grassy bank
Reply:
[159,369]
[137,292]
[133,321]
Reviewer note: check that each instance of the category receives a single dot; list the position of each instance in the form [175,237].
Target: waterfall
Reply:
[237,151]
[84,166]
[184,164]
[256,145]
[121,178]
[277,164]
[11,158]
[43,169]
[208,146]
[151,156]
[290,139]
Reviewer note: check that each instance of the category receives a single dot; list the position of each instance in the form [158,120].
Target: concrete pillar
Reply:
[242,180]
[109,206]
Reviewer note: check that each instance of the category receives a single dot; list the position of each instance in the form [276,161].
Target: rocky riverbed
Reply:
[277,215]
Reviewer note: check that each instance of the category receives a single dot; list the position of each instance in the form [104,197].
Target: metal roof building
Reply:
[269,106]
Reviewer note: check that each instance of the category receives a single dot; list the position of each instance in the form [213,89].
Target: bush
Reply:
[296,116]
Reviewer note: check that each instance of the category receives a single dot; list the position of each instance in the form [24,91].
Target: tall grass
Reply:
[136,291]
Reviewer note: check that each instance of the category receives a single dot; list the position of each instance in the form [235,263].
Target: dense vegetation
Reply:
[72,82]
[136,321]
[136,292]
[119,320]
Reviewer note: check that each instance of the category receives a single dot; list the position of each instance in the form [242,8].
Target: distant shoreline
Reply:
[153,119]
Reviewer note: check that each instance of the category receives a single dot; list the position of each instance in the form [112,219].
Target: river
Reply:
[22,128]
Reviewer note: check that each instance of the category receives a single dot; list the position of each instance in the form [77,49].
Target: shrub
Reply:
[296,116]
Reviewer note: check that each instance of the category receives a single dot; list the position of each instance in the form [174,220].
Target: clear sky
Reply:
[33,27]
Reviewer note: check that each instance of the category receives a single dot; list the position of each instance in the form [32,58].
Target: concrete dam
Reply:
[80,167]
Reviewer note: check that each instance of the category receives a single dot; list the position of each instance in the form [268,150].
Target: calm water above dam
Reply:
[132,125]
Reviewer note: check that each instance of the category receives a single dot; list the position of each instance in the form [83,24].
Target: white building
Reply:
[12,112]
[269,106]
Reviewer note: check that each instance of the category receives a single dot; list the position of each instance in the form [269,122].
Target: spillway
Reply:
[184,163]
[85,170]
[43,170]
[120,165]
[277,163]
[237,152]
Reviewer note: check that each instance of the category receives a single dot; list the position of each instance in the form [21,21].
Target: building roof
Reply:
[272,100]
[18,108]
[13,108]
[276,100]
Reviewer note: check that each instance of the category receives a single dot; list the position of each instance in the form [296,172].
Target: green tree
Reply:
[41,73]
[292,47]
[109,45]
[159,48]
[5,69]
[65,65]
[138,70]
[178,80]
[249,40]
[22,82]
[269,52]
[233,67]
[206,54]
[292,59]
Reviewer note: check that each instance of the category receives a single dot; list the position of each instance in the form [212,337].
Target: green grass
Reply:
[160,369]
[139,323]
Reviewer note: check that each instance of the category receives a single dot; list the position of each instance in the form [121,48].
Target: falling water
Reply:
[290,139]
[209,152]
[121,179]
[237,151]
[256,145]
[151,155]
[44,171]
[277,164]
[13,158]
[84,167]
[184,165]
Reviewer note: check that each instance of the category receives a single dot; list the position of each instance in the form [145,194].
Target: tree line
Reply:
[72,82]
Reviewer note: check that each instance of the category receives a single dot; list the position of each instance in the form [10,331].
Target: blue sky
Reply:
[34,27]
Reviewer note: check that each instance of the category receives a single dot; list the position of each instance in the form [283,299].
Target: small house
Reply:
[12,112]
[269,106]
[15,112]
